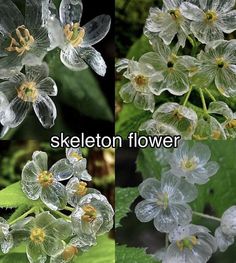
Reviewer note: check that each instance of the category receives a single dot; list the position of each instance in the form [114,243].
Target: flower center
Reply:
[189,164]
[74,34]
[90,213]
[22,42]
[28,92]
[211,16]
[176,14]
[69,253]
[188,242]
[76,156]
[221,63]
[163,200]
[45,178]
[231,124]
[81,189]
[170,64]
[37,235]
[140,80]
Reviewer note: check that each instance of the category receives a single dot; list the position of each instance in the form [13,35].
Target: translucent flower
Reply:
[171,119]
[69,253]
[25,91]
[190,243]
[193,163]
[93,215]
[23,40]
[79,163]
[76,48]
[210,19]
[43,235]
[228,222]
[176,70]
[167,23]
[223,240]
[39,182]
[76,190]
[166,202]
[217,65]
[6,239]
[143,81]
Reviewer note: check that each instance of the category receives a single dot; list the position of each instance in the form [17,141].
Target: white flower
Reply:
[210,19]
[223,240]
[6,239]
[193,163]
[166,202]
[228,221]
[190,243]
[25,91]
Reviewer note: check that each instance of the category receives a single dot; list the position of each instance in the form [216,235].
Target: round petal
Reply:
[192,12]
[228,221]
[62,170]
[223,240]
[127,93]
[144,101]
[37,73]
[83,241]
[146,210]
[70,11]
[227,22]
[35,254]
[62,229]
[149,188]
[30,172]
[165,221]
[41,160]
[53,246]
[48,86]
[45,220]
[74,155]
[31,189]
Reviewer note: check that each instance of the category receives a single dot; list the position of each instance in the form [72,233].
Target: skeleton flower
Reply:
[171,119]
[193,163]
[190,243]
[6,239]
[23,40]
[166,202]
[143,81]
[210,19]
[223,240]
[31,89]
[39,182]
[228,222]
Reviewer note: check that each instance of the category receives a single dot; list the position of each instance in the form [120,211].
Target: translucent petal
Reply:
[45,110]
[170,32]
[228,221]
[127,93]
[212,168]
[172,4]
[182,213]
[62,170]
[84,175]
[150,127]
[227,22]
[10,65]
[53,246]
[62,229]
[37,73]
[223,240]
[144,101]
[165,221]
[224,82]
[96,30]
[221,108]
[41,160]
[156,20]
[173,255]
[7,243]
[83,241]
[70,11]
[34,253]
[75,155]
[186,192]
[30,172]
[225,6]
[31,189]
[45,220]
[33,13]
[48,86]
[202,151]
[192,12]
[149,188]
[54,196]
[146,210]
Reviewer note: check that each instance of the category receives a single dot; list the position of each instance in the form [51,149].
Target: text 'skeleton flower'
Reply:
[39,182]
[77,51]
[143,81]
[79,163]
[6,239]
[228,222]
[175,69]
[193,163]
[190,243]
[25,91]
[166,202]
[217,66]
[43,235]
[167,23]
[171,119]
[92,216]
[23,39]
[223,241]
[210,19]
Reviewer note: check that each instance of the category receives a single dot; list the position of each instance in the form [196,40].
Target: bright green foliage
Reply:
[139,48]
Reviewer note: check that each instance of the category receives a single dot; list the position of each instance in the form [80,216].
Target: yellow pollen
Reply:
[28,92]
[69,253]
[188,165]
[189,243]
[231,124]
[140,80]
[176,14]
[74,34]
[211,16]
[76,156]
[163,200]
[23,41]
[45,178]
[90,213]
[216,134]
[37,235]
[178,115]
[221,63]
[82,189]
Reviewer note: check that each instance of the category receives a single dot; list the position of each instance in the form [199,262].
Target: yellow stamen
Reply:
[163,200]
[74,34]
[211,16]
[188,165]
[221,63]
[37,235]
[140,80]
[231,124]
[90,213]
[76,156]
[69,253]
[45,178]
[28,92]
[176,14]
[81,189]
[188,242]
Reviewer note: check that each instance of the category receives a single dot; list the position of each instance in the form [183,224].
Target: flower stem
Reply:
[61,215]
[32,210]
[210,95]
[69,208]
[207,216]
[187,96]
[203,101]
[191,41]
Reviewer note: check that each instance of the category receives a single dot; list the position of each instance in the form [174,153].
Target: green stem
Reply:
[62,215]
[210,95]
[71,209]
[203,101]
[32,210]
[187,96]
[207,216]
[191,41]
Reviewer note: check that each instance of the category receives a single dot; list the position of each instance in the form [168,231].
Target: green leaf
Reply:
[14,257]
[18,212]
[130,254]
[124,198]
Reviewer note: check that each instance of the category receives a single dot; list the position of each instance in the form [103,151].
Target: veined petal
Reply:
[31,189]
[53,246]
[224,81]
[70,11]
[96,30]
[172,4]
[8,89]
[34,253]
[165,221]
[225,6]
[62,170]
[45,110]
[144,101]
[41,160]
[37,73]
[227,22]
[146,210]
[192,12]
[48,86]
[62,229]
[182,213]
[149,188]
[30,172]
[127,92]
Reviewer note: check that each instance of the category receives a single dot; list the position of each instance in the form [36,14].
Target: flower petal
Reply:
[192,12]
[146,210]
[37,73]
[144,101]
[30,172]
[31,189]
[75,155]
[70,11]
[62,229]
[165,221]
[48,86]
[127,93]
[45,220]
[34,253]
[33,13]
[227,22]
[41,160]
[53,246]
[62,170]
[149,188]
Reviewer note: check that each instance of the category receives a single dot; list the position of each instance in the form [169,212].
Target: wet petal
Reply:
[212,168]
[48,86]
[144,101]
[45,110]
[165,221]
[31,189]
[30,172]
[227,22]
[127,93]
[149,188]
[45,220]
[37,73]
[223,240]
[41,160]
[182,213]
[75,155]
[146,210]
[34,253]
[53,246]
[70,11]
[62,170]
[62,229]
[192,12]
[83,241]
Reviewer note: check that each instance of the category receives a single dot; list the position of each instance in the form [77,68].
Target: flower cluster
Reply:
[207,70]
[25,40]
[166,202]
[51,233]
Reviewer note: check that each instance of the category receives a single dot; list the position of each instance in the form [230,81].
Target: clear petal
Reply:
[41,160]
[165,221]
[45,220]
[62,170]
[37,73]
[225,6]
[223,240]
[53,246]
[48,86]
[212,168]
[31,189]
[62,229]
[30,172]
[70,11]
[7,243]
[127,93]
[224,82]
[34,253]
[144,101]
[34,13]
[182,213]
[202,151]
[172,4]
[192,12]
[227,22]
[149,188]
[146,210]
[74,155]
[83,241]
[221,108]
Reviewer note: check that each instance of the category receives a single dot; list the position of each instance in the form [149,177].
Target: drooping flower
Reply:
[210,19]
[166,202]
[223,241]
[190,243]
[79,163]
[24,41]
[26,90]
[43,235]
[143,81]
[176,69]
[92,216]
[171,119]
[228,222]
[6,239]
[39,182]
[217,66]
[193,163]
